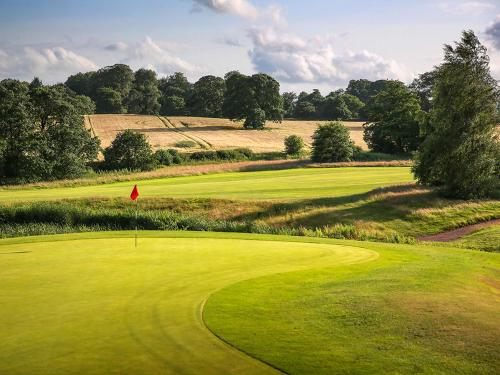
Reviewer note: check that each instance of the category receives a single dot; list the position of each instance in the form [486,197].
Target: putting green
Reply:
[282,184]
[95,304]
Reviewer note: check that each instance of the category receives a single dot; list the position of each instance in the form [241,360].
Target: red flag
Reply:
[134,194]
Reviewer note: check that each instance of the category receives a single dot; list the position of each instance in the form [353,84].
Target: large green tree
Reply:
[394,120]
[208,97]
[460,152]
[254,98]
[144,96]
[43,131]
[129,150]
[332,143]
[175,92]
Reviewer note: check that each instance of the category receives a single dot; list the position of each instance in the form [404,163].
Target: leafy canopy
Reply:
[460,152]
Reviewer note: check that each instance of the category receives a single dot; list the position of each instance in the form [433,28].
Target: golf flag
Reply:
[134,194]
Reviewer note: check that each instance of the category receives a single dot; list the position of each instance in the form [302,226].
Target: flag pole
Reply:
[136,211]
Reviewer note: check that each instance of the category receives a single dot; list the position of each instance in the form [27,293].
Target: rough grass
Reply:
[414,310]
[209,132]
[487,239]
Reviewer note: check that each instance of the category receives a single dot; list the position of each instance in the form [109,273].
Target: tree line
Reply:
[446,118]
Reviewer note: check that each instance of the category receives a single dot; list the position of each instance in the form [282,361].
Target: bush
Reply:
[203,156]
[331,143]
[163,157]
[293,145]
[246,152]
[185,144]
[130,150]
[256,119]
[168,157]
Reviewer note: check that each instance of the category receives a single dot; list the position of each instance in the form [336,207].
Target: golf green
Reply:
[95,304]
[282,184]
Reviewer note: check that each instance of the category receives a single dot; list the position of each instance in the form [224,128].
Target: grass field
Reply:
[283,184]
[94,304]
[209,133]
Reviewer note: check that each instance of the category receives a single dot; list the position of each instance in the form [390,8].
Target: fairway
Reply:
[94,304]
[282,184]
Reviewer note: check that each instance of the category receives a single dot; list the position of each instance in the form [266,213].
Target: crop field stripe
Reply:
[300,183]
[200,142]
[126,310]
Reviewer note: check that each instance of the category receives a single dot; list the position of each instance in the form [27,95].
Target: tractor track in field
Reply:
[455,234]
[199,141]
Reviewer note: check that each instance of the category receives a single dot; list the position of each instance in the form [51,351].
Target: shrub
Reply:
[203,155]
[246,152]
[331,143]
[256,119]
[163,157]
[130,150]
[293,145]
[185,144]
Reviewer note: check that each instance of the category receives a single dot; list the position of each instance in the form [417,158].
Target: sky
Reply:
[303,44]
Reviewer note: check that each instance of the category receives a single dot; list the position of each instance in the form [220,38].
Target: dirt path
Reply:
[455,234]
[200,141]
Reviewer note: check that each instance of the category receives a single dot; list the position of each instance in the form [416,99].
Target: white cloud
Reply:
[242,8]
[292,59]
[466,8]
[149,53]
[52,64]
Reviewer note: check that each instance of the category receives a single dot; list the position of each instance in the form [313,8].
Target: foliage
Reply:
[254,98]
[395,117]
[305,110]
[129,150]
[289,102]
[332,143]
[208,97]
[108,100]
[255,119]
[460,152]
[175,92]
[43,133]
[144,95]
[294,145]
[335,108]
[422,87]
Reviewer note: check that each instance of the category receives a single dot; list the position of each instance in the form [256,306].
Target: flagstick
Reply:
[136,210]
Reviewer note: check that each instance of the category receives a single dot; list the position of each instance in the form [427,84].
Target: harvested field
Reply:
[107,126]
[209,133]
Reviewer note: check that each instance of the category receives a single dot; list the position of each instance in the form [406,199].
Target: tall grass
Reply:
[50,218]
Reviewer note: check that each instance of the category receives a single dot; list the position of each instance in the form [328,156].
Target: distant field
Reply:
[209,133]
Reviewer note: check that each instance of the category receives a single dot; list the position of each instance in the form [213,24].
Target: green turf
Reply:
[94,304]
[414,310]
[283,184]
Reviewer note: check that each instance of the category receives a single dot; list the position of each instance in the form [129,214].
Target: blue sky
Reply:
[304,44]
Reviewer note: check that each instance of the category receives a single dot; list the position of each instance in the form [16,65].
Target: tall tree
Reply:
[208,97]
[144,96]
[394,120]
[175,91]
[289,102]
[460,152]
[255,99]
[422,87]
[43,131]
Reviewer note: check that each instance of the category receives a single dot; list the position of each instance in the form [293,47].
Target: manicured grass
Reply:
[282,184]
[94,304]
[414,310]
